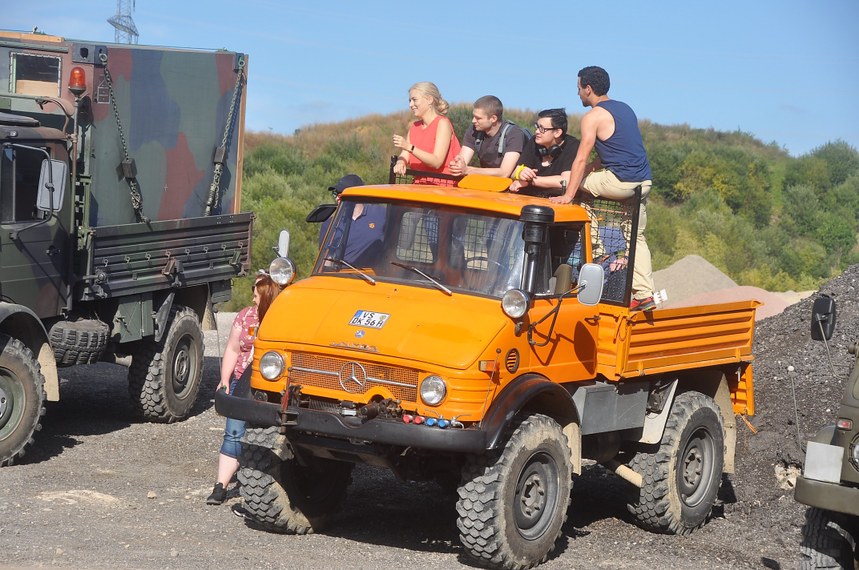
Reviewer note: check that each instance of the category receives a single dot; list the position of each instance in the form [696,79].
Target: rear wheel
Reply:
[513,502]
[682,477]
[164,377]
[22,397]
[828,540]
[279,493]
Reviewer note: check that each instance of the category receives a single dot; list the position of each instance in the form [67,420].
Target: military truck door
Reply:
[34,244]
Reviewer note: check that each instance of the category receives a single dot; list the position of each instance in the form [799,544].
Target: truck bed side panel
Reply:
[667,340]
[137,258]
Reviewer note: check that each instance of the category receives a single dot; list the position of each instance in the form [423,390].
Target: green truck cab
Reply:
[829,483]
[120,183]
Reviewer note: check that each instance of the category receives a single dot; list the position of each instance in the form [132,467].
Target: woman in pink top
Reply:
[238,355]
[431,144]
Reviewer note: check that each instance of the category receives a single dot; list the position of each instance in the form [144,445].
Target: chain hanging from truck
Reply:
[221,152]
[129,168]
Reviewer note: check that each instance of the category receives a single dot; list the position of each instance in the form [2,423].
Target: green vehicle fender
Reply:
[21,323]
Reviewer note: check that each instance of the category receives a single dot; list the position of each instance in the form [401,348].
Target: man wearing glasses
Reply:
[612,127]
[547,158]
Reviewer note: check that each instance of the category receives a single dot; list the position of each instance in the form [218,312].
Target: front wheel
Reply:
[828,540]
[682,477]
[282,495]
[164,377]
[513,501]
[22,397]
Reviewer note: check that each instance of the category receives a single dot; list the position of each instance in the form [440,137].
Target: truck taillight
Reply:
[77,81]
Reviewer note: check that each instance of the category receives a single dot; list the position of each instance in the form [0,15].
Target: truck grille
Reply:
[352,376]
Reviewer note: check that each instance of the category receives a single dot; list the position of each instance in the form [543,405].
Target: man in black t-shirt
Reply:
[496,142]
[547,158]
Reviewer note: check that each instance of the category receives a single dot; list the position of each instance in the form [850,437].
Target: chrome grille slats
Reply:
[324,372]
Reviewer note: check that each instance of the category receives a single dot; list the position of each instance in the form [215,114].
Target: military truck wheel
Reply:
[828,540]
[164,377]
[78,342]
[682,477]
[514,500]
[22,399]
[282,495]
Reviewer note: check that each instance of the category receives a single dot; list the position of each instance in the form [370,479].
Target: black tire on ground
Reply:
[513,501]
[682,477]
[281,495]
[828,540]
[164,377]
[78,342]
[22,399]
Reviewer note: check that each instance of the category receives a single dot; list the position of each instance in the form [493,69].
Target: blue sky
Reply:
[785,71]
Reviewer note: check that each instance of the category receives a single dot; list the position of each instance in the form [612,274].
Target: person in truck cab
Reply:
[431,143]
[366,229]
[612,127]
[497,143]
[547,157]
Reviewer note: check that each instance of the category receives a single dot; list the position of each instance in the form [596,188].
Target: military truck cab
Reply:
[120,188]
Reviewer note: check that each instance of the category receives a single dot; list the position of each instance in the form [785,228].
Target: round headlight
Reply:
[271,365]
[515,303]
[433,390]
[282,271]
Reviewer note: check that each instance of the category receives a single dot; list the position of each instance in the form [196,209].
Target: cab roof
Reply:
[508,204]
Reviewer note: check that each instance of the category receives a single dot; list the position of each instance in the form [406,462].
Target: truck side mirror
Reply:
[52,185]
[823,318]
[591,278]
[320,213]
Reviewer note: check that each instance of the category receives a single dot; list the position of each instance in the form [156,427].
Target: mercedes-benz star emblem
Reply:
[353,377]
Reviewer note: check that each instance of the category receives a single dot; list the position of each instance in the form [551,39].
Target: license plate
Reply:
[369,319]
[823,462]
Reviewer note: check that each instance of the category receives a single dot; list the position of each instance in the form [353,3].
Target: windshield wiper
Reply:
[424,275]
[363,275]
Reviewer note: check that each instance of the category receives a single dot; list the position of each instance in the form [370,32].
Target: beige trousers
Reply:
[604,184]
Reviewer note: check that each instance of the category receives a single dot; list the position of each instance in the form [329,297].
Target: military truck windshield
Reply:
[454,251]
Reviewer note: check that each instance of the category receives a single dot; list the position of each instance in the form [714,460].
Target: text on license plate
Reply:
[369,319]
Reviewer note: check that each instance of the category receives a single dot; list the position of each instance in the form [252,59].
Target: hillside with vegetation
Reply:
[761,216]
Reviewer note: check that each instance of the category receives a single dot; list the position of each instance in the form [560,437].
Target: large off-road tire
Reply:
[78,342]
[22,398]
[828,540]
[164,377]
[280,494]
[681,477]
[513,501]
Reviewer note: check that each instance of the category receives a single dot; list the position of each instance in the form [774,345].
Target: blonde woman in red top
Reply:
[431,143]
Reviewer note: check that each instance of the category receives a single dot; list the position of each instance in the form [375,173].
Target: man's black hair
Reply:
[596,77]
[558,116]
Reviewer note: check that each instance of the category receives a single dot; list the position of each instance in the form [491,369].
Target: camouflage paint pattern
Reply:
[173,106]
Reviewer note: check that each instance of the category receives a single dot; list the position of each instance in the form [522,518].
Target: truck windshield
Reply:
[452,250]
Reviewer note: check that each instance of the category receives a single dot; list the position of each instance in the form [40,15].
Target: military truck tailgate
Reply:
[135,258]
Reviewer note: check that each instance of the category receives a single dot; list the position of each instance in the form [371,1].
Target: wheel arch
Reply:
[534,393]
[21,323]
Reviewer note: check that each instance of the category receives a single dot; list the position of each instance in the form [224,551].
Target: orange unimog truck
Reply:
[463,335]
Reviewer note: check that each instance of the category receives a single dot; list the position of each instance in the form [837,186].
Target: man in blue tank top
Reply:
[612,127]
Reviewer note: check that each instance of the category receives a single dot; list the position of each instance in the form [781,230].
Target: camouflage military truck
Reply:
[120,178]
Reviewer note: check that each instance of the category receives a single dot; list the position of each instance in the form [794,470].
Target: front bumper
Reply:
[303,424]
[828,496]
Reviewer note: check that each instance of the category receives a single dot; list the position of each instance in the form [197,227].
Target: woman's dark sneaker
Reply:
[218,496]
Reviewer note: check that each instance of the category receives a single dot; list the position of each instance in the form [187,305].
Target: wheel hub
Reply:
[181,368]
[536,495]
[4,404]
